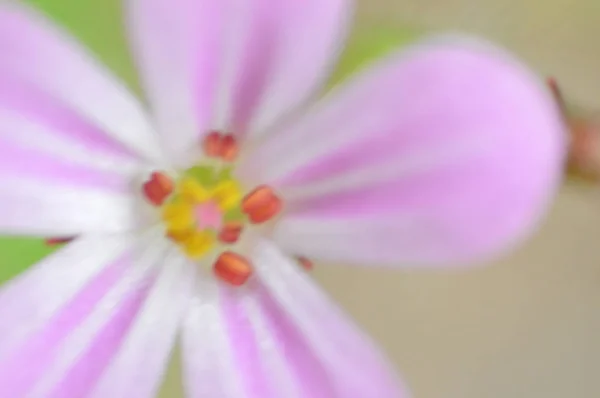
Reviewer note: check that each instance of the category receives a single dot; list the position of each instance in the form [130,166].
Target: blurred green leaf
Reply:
[366,45]
[16,254]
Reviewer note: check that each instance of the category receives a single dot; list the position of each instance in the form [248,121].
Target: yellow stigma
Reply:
[227,194]
[198,208]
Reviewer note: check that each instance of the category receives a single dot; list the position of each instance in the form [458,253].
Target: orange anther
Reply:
[232,268]
[212,144]
[230,233]
[220,145]
[158,188]
[229,148]
[58,241]
[306,263]
[261,204]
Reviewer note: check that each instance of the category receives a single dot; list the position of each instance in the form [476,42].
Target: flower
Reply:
[187,221]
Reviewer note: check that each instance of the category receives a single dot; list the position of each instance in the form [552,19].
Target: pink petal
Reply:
[47,152]
[53,185]
[447,153]
[237,55]
[278,56]
[57,78]
[210,369]
[30,116]
[28,301]
[278,337]
[177,44]
[137,369]
[70,314]
[68,135]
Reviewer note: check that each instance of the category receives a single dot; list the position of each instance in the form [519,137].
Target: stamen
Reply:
[556,92]
[158,188]
[192,191]
[217,145]
[227,194]
[58,241]
[229,148]
[230,233]
[207,208]
[178,216]
[198,244]
[232,268]
[261,205]
[306,263]
[179,236]
[212,144]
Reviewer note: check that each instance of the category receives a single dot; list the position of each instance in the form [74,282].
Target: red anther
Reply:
[158,188]
[230,233]
[232,268]
[229,148]
[224,146]
[58,241]
[306,263]
[212,144]
[261,204]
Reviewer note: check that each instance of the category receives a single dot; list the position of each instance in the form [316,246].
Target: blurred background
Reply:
[527,326]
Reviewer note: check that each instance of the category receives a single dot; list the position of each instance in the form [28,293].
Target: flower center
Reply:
[206,209]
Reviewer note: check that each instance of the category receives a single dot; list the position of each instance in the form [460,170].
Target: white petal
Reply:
[177,45]
[38,207]
[276,358]
[138,368]
[208,359]
[53,306]
[31,299]
[92,344]
[227,64]
[276,58]
[278,336]
[355,368]
[230,349]
[25,131]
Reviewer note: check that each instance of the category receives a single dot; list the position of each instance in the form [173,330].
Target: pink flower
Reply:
[444,154]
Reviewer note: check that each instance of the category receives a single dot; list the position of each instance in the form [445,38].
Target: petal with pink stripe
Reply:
[49,61]
[278,337]
[137,369]
[68,316]
[227,64]
[447,153]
